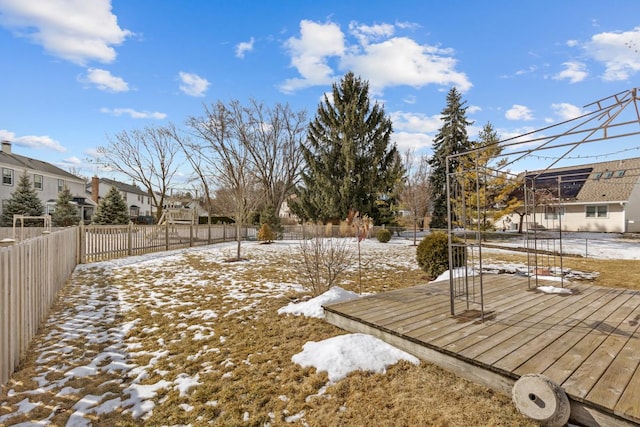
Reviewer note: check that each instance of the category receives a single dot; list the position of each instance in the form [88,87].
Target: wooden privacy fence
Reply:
[31,274]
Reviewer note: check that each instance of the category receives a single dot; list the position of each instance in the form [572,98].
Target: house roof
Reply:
[22,162]
[611,181]
[132,189]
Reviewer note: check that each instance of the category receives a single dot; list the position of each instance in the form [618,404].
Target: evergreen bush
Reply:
[383,235]
[268,216]
[65,213]
[112,209]
[23,201]
[432,254]
[266,234]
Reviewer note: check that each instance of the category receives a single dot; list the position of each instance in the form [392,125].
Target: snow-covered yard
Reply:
[184,338]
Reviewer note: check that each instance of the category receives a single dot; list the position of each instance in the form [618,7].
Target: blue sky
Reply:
[76,71]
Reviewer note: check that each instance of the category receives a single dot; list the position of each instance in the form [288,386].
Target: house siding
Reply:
[575,219]
[132,196]
[633,210]
[49,185]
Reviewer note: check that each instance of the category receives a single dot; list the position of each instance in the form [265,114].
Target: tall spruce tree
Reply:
[350,161]
[23,201]
[451,139]
[112,210]
[65,213]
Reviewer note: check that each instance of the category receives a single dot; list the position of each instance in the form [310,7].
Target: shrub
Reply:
[266,234]
[321,262]
[383,235]
[432,254]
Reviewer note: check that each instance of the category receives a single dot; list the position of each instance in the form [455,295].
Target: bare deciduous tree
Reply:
[223,133]
[273,142]
[147,156]
[416,193]
[194,156]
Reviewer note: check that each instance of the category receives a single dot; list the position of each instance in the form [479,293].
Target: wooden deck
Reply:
[587,342]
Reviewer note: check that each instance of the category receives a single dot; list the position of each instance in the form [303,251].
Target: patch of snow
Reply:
[313,307]
[553,290]
[341,355]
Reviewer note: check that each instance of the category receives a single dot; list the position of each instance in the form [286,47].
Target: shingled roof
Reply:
[131,189]
[22,162]
[611,181]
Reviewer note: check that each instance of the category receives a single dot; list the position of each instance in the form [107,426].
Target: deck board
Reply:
[588,342]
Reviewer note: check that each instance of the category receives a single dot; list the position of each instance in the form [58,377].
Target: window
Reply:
[7,176]
[60,185]
[597,211]
[618,174]
[37,182]
[608,174]
[597,175]
[552,212]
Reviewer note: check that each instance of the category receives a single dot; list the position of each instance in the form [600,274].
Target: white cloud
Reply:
[519,112]
[75,30]
[73,161]
[414,130]
[419,142]
[618,52]
[366,33]
[134,114]
[243,47]
[193,84]
[415,122]
[574,72]
[567,111]
[376,56]
[472,109]
[104,80]
[402,61]
[310,52]
[32,141]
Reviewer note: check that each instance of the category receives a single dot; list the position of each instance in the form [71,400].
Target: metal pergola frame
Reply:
[616,116]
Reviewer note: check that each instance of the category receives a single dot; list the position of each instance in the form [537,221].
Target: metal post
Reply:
[451,290]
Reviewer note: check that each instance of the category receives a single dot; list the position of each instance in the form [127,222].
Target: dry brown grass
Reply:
[242,357]
[613,273]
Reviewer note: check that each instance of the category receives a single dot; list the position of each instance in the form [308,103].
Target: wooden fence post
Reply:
[191,235]
[166,236]
[130,239]
[82,244]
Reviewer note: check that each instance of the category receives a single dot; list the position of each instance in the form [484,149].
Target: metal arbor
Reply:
[473,178]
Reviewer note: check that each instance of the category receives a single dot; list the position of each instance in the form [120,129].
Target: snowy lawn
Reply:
[184,338]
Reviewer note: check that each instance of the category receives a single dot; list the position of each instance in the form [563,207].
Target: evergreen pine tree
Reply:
[112,209]
[65,213]
[23,201]
[350,161]
[451,139]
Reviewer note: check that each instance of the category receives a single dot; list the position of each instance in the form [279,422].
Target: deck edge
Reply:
[580,412]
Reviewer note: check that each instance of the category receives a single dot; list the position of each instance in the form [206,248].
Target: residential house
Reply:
[138,200]
[596,197]
[47,180]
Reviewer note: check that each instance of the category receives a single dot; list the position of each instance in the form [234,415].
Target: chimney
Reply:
[6,147]
[95,188]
